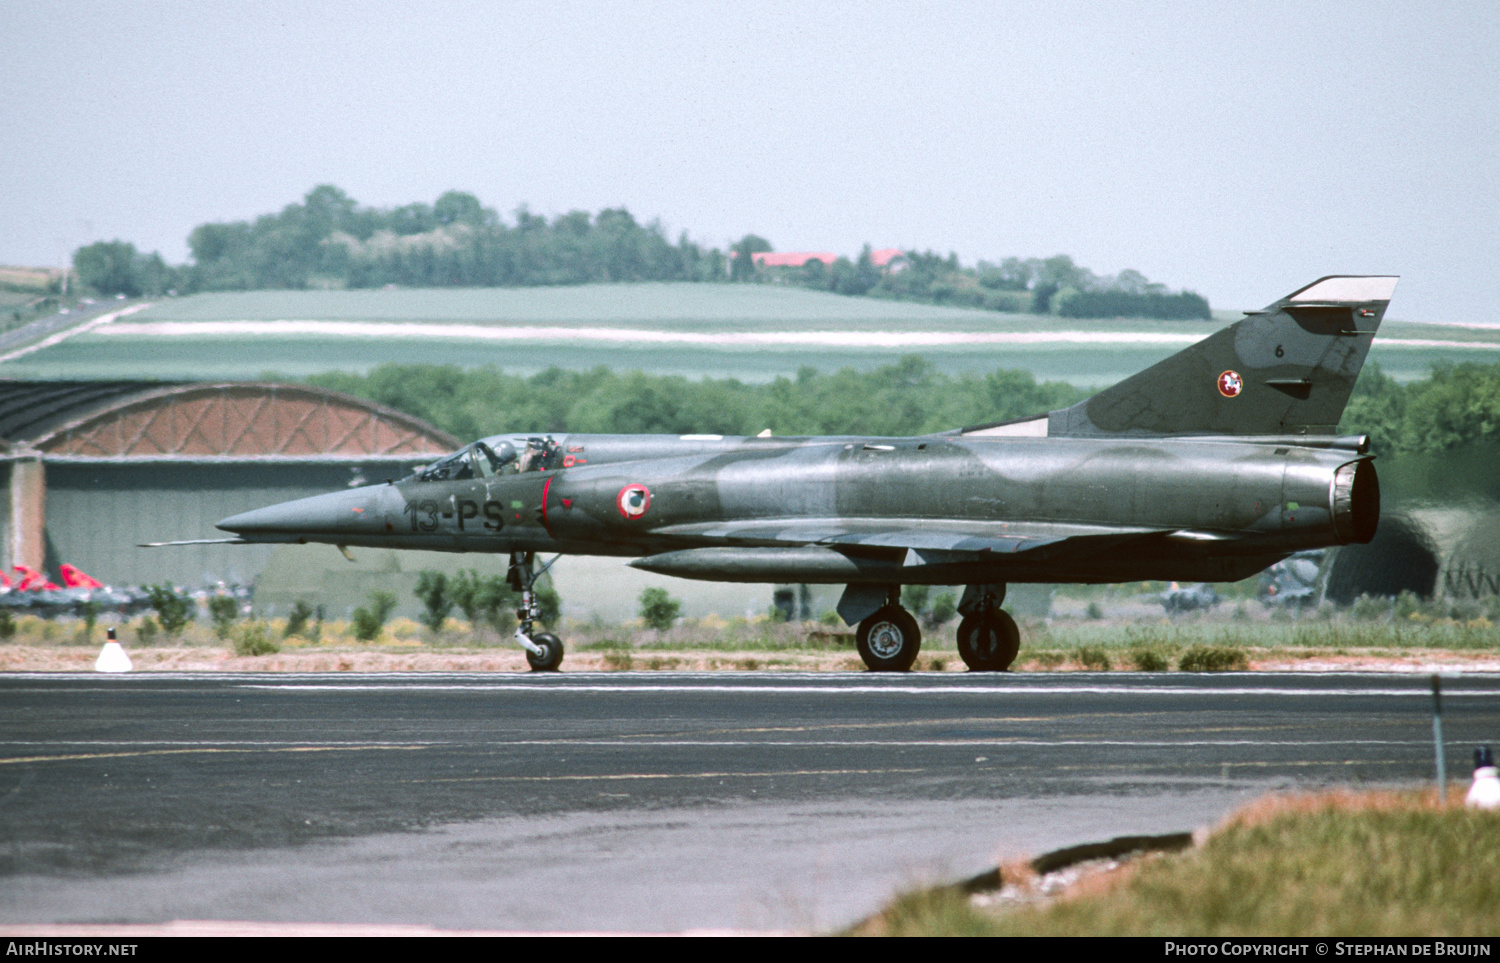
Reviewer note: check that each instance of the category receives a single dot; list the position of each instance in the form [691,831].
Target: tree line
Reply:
[329,240]
[1457,407]
[1053,285]
[908,397]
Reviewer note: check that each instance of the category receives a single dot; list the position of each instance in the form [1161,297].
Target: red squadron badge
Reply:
[633,500]
[1231,384]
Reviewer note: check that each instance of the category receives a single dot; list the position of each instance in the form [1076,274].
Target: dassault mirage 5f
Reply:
[1207,467]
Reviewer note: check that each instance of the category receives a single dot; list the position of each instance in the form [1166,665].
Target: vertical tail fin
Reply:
[1287,369]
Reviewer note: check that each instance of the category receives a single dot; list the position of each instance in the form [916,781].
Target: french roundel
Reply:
[633,500]
[1231,384]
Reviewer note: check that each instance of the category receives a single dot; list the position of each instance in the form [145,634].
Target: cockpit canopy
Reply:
[480,460]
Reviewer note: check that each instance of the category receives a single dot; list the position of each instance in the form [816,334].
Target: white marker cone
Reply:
[1485,793]
[112,657]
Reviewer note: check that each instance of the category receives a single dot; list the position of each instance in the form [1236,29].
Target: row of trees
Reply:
[905,398]
[1458,406]
[1052,285]
[329,240]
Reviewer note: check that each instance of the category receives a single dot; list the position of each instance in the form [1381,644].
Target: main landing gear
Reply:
[889,640]
[988,639]
[544,651]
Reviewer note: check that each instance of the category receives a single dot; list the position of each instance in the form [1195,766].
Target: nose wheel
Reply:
[544,651]
[549,655]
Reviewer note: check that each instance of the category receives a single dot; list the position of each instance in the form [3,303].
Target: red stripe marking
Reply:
[546,487]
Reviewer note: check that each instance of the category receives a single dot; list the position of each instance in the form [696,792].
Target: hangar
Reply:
[93,468]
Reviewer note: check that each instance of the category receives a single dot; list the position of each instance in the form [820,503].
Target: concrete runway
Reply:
[643,801]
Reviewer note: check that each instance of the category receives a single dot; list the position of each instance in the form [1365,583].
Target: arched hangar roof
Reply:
[75,420]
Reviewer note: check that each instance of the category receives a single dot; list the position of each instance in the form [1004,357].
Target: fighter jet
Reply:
[1293,582]
[1206,467]
[1180,599]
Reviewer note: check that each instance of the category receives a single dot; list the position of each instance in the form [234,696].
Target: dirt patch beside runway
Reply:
[45,658]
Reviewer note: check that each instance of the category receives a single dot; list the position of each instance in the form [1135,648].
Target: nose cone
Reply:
[339,513]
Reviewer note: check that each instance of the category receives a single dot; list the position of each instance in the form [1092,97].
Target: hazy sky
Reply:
[1237,149]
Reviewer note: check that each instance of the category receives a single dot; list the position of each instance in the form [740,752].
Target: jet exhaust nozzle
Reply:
[1355,501]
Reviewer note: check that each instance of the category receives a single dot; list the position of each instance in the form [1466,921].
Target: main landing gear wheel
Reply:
[889,640]
[551,655]
[988,641]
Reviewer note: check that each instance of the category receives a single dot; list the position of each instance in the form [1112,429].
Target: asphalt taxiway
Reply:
[643,801]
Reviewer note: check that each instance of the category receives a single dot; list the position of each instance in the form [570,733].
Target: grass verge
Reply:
[1330,864]
[35,644]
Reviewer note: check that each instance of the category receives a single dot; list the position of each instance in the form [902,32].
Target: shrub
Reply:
[253,639]
[172,610]
[482,600]
[1094,657]
[1368,607]
[146,634]
[296,623]
[932,611]
[944,608]
[1214,658]
[1096,611]
[1149,660]
[7,624]
[223,609]
[619,661]
[437,601]
[369,621]
[658,609]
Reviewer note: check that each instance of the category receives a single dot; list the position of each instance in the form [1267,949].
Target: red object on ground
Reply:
[74,577]
[33,581]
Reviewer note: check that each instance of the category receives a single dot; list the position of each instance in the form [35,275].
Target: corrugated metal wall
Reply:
[98,513]
[5,552]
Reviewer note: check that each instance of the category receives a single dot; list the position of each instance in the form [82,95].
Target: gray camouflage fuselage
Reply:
[823,509]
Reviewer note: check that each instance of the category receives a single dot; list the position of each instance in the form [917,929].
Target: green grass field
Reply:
[1336,864]
[679,329]
[651,305]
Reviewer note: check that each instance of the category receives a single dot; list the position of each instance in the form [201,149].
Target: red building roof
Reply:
[880,258]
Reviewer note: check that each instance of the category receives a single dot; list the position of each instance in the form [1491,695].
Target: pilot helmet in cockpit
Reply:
[497,460]
[503,453]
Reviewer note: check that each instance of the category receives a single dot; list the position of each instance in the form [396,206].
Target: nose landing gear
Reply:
[544,651]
